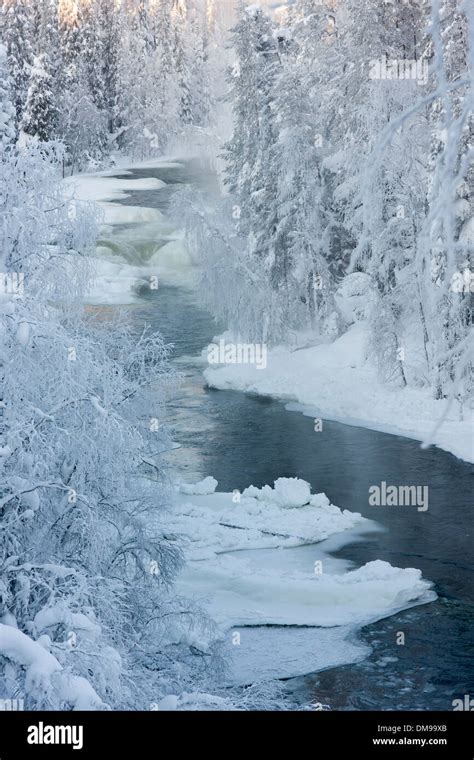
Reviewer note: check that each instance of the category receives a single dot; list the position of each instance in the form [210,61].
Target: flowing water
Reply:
[244,439]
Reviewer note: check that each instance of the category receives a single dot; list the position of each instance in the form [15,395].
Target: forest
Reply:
[341,136]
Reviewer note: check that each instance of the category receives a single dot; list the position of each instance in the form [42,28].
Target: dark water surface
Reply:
[242,439]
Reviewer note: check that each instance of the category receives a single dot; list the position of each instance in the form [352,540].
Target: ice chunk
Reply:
[287,493]
[206,486]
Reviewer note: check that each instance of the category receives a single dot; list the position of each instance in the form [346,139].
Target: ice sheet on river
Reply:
[284,516]
[254,560]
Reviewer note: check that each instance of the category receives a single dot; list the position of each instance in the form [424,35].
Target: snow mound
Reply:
[287,493]
[206,486]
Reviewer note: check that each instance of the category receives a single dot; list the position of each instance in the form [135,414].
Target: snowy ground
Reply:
[262,558]
[334,381]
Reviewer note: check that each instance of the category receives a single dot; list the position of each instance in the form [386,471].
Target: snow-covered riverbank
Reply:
[330,380]
[335,381]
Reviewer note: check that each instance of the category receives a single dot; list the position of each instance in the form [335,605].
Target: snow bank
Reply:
[335,382]
[173,260]
[237,593]
[116,282]
[157,163]
[114,213]
[103,186]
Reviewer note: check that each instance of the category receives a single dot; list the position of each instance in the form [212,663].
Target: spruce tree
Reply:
[40,115]
[7,111]
[18,35]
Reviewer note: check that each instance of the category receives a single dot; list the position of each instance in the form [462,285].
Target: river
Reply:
[245,439]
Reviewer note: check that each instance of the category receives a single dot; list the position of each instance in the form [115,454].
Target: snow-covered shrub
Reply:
[355,297]
[85,569]
[7,111]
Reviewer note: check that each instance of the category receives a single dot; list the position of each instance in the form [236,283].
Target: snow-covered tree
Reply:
[276,184]
[250,171]
[199,75]
[40,113]
[143,127]
[82,125]
[86,614]
[445,252]
[105,56]
[7,111]
[414,213]
[82,128]
[166,85]
[131,74]
[304,264]
[181,72]
[18,37]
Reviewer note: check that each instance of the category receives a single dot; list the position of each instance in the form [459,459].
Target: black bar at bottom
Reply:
[139,734]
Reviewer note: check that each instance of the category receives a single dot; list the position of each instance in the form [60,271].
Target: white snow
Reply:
[193,701]
[237,592]
[23,334]
[104,186]
[118,214]
[74,621]
[135,242]
[262,558]
[206,486]
[334,381]
[355,297]
[287,492]
[44,673]
[222,522]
